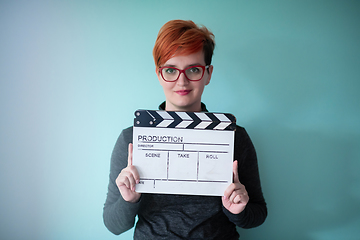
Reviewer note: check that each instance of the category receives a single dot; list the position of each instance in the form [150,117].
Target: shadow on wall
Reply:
[310,181]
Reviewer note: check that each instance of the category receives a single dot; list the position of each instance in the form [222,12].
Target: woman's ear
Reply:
[158,74]
[210,71]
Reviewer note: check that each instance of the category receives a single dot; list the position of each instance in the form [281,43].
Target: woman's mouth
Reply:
[183,92]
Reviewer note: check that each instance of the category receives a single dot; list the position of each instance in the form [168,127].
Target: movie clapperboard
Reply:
[183,152]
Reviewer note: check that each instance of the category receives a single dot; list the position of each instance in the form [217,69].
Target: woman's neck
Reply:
[194,108]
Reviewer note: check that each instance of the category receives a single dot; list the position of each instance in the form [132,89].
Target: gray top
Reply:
[167,216]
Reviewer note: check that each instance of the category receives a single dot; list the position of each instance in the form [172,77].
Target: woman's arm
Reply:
[255,212]
[118,214]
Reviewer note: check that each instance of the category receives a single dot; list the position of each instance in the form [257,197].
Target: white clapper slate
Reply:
[183,152]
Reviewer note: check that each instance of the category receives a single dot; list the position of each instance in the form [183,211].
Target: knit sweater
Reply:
[169,216]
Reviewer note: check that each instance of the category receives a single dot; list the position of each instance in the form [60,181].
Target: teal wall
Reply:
[73,72]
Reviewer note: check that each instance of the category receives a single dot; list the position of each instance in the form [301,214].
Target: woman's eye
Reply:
[170,70]
[194,70]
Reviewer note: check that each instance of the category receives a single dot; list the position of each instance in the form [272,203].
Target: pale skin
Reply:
[235,196]
[127,180]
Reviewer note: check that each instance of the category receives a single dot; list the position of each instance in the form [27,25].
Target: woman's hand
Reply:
[235,197]
[127,180]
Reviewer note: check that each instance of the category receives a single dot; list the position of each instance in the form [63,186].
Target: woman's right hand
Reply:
[127,180]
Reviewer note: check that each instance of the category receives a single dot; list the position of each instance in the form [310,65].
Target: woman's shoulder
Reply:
[128,130]
[240,130]
[242,136]
[125,135]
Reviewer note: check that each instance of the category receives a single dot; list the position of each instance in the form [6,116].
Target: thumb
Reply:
[235,172]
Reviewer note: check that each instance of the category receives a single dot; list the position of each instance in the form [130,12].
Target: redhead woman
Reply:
[182,54]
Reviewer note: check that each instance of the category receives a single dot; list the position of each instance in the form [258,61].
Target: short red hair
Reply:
[179,37]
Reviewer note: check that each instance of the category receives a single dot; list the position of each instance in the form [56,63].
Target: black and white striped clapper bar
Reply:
[183,152]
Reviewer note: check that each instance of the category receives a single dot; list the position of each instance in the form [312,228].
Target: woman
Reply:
[182,54]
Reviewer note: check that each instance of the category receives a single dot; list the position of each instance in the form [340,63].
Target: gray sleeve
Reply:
[119,215]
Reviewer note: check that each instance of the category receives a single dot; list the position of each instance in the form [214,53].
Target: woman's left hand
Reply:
[235,197]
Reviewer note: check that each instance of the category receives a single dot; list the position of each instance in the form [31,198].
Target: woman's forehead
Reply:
[191,59]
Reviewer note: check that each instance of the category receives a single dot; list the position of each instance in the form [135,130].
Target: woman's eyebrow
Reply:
[194,64]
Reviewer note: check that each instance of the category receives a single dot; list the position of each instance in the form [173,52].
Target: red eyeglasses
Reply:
[192,73]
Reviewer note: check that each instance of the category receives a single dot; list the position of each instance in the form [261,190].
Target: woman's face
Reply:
[184,95]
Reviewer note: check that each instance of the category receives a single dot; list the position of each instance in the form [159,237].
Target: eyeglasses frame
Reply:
[183,71]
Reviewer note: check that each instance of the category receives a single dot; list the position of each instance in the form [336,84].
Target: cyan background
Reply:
[73,72]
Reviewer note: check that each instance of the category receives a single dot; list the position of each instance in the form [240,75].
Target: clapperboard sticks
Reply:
[185,120]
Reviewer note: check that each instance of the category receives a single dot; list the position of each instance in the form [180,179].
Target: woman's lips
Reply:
[183,92]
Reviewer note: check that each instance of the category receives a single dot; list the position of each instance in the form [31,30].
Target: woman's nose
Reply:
[182,81]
